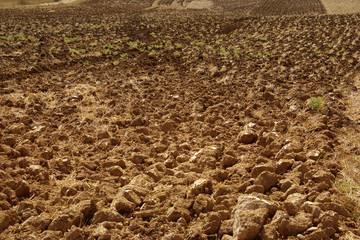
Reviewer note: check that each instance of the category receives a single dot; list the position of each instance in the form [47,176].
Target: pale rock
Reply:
[201,185]
[267,180]
[294,202]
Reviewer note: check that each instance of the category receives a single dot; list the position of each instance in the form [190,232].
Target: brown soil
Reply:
[121,123]
[341,7]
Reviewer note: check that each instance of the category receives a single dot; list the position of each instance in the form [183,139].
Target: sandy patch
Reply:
[341,7]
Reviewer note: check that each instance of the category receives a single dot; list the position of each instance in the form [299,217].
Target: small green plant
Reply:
[159,46]
[124,55]
[32,39]
[107,51]
[223,52]
[7,38]
[223,69]
[237,53]
[20,36]
[168,43]
[133,44]
[203,55]
[178,45]
[188,37]
[315,103]
[71,40]
[152,53]
[115,53]
[177,54]
[116,63]
[73,51]
[108,46]
[153,35]
[199,43]
[94,44]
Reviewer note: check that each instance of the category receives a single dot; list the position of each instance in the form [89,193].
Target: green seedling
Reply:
[71,40]
[315,103]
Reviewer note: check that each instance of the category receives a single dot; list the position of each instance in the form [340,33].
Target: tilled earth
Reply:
[123,123]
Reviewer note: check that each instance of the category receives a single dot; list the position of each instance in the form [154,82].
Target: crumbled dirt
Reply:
[118,122]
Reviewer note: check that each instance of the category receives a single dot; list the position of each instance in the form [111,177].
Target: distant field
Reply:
[14,3]
[341,7]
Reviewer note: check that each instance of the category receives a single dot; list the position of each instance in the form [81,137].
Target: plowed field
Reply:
[118,122]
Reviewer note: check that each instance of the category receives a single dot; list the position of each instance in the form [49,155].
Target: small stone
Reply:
[278,217]
[86,139]
[269,232]
[283,165]
[131,196]
[255,188]
[248,223]
[115,171]
[10,141]
[168,125]
[35,170]
[107,215]
[138,121]
[228,161]
[47,155]
[227,237]
[137,158]
[293,147]
[329,219]
[212,223]
[122,205]
[101,232]
[74,233]
[247,137]
[300,157]
[324,176]
[226,227]
[154,174]
[61,223]
[267,180]
[7,219]
[318,234]
[203,203]
[258,169]
[200,186]
[323,197]
[103,134]
[17,128]
[51,235]
[23,190]
[37,223]
[4,205]
[249,202]
[294,202]
[314,155]
[173,214]
[172,236]
[87,208]
[337,208]
[295,225]
[313,208]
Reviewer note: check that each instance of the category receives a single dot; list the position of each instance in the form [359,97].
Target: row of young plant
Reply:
[183,47]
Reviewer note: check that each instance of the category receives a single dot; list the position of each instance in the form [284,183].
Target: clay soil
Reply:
[118,122]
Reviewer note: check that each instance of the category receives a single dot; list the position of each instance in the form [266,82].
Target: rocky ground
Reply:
[118,122]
